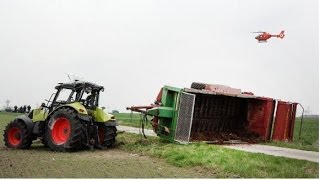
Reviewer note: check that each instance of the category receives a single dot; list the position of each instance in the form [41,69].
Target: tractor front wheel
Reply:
[65,131]
[107,135]
[16,135]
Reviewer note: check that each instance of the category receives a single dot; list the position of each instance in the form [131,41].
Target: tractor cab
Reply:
[85,93]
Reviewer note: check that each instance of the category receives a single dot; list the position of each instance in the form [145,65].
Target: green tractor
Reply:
[70,121]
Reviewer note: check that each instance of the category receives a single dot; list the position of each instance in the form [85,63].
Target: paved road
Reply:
[134,130]
[254,148]
[277,151]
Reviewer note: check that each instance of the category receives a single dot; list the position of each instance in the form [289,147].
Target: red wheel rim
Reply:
[60,130]
[14,136]
[101,134]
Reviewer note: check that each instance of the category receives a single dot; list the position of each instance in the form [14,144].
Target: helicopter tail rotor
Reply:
[281,35]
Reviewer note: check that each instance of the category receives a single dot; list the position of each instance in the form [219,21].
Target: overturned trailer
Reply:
[218,114]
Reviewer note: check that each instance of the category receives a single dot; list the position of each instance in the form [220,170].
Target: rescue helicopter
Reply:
[264,36]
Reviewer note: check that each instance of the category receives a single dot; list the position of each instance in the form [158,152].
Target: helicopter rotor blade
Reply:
[258,32]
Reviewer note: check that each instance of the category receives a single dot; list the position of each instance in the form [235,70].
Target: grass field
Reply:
[309,139]
[133,120]
[133,157]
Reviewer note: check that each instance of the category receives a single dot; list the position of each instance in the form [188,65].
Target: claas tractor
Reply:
[70,121]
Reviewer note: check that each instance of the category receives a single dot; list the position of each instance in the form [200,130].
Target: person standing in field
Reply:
[29,108]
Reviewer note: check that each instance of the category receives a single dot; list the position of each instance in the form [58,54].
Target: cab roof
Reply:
[79,85]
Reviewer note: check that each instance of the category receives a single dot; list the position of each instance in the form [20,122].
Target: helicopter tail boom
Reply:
[280,35]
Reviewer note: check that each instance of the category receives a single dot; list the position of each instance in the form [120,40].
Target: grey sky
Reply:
[133,48]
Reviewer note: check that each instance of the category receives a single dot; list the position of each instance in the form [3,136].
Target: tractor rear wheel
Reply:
[16,135]
[107,135]
[64,131]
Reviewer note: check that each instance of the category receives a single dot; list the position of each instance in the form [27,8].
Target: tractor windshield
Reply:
[85,93]
[66,96]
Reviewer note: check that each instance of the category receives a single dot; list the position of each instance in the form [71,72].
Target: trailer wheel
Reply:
[64,131]
[107,135]
[16,135]
[199,86]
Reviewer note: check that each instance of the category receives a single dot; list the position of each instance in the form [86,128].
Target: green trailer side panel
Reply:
[169,95]
[169,106]
[164,112]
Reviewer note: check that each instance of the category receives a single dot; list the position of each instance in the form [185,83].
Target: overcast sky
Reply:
[133,48]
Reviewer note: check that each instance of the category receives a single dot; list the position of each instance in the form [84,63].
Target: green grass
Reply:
[133,120]
[224,162]
[309,139]
[5,116]
[128,119]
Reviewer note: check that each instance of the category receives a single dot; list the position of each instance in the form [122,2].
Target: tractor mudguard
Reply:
[111,123]
[76,106]
[101,116]
[27,121]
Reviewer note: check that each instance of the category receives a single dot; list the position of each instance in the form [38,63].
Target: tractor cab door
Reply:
[90,99]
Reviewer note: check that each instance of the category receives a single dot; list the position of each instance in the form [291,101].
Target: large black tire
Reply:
[65,132]
[107,135]
[199,86]
[16,135]
[43,129]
